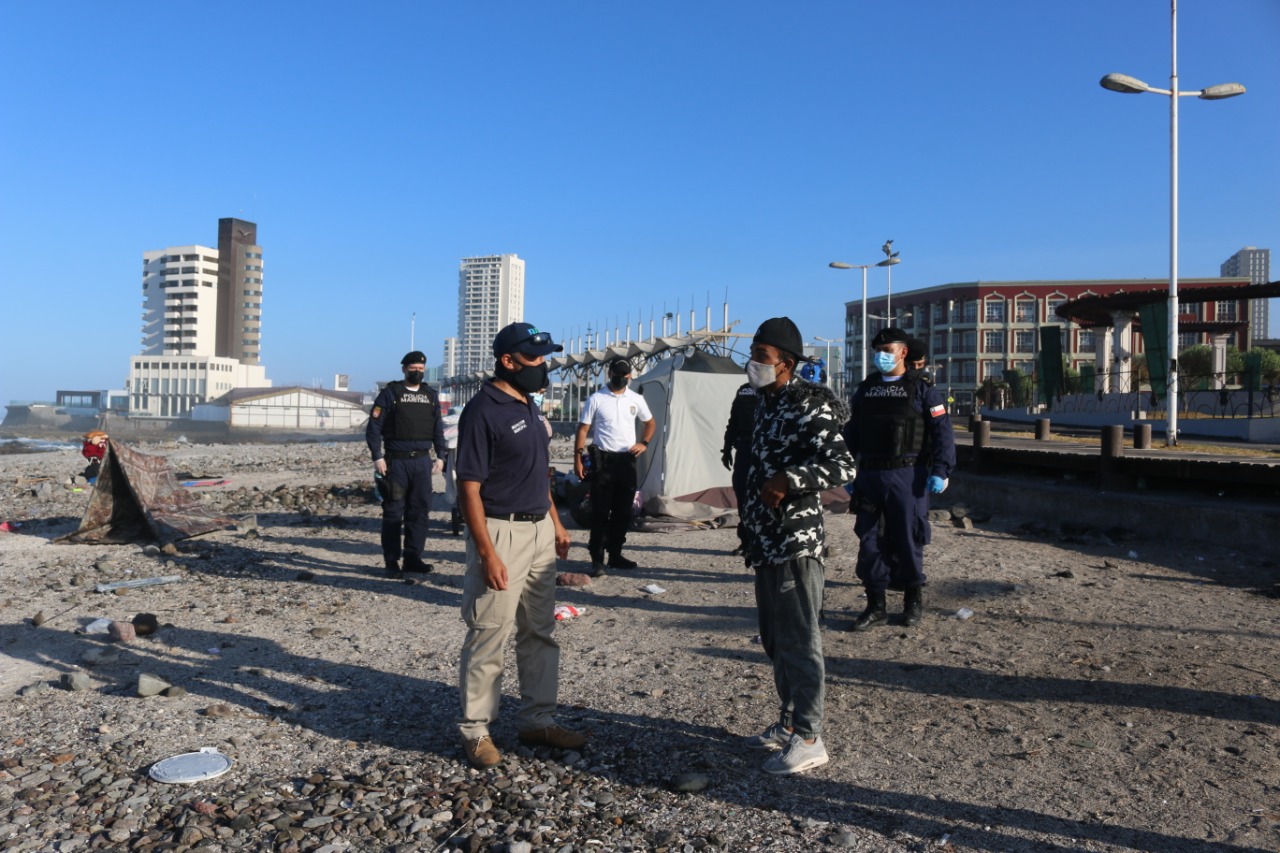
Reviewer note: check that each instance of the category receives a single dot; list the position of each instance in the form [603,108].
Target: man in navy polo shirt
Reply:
[513,538]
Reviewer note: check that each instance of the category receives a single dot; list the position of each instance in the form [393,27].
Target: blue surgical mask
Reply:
[886,362]
[537,400]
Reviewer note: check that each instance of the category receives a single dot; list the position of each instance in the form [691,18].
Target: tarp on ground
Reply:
[137,499]
[689,396]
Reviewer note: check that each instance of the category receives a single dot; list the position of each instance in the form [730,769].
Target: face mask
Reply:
[538,400]
[886,362]
[529,380]
[413,377]
[617,383]
[761,375]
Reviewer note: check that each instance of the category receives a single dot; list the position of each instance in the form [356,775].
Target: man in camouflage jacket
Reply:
[797,452]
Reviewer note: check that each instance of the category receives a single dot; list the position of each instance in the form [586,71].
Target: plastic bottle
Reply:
[377,485]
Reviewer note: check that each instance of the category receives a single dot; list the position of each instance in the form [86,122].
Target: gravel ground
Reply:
[1109,693]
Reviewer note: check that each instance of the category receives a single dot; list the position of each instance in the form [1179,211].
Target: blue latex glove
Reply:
[937,485]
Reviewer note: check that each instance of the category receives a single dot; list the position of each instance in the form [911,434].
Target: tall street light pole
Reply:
[887,262]
[890,258]
[1133,86]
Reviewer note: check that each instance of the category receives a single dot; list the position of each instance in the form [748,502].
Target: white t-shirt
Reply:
[613,418]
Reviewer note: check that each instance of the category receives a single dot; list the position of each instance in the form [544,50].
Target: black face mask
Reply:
[529,379]
[413,377]
[618,381]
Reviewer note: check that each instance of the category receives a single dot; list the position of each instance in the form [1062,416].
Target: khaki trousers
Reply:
[527,605]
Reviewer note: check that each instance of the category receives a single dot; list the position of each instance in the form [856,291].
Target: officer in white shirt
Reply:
[610,420]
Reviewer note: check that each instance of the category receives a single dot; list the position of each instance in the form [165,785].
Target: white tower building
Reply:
[490,296]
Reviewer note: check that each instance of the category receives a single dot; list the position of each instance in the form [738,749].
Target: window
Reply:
[1225,310]
[1088,341]
[992,370]
[940,313]
[970,314]
[1051,305]
[1024,311]
[993,341]
[968,342]
[995,310]
[1024,341]
[939,342]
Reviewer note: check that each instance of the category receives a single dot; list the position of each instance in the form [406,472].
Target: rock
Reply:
[75,681]
[145,624]
[122,632]
[99,656]
[150,551]
[939,516]
[175,692]
[219,710]
[843,838]
[305,576]
[150,685]
[38,619]
[573,579]
[321,632]
[32,689]
[77,580]
[1065,573]
[959,511]
[964,523]
[690,783]
[169,550]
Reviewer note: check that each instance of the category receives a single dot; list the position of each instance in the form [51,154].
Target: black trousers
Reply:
[613,489]
[406,506]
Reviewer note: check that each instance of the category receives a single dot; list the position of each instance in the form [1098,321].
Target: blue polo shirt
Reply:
[503,446]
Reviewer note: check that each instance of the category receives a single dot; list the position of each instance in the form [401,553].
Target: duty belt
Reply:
[405,454]
[517,516]
[883,464]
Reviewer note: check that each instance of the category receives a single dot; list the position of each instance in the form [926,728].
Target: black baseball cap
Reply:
[889,335]
[781,333]
[524,338]
[620,367]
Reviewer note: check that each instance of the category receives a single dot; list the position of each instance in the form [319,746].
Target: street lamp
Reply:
[890,258]
[887,262]
[1133,86]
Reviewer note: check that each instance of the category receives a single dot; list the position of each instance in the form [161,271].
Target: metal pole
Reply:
[888,298]
[863,359]
[1172,437]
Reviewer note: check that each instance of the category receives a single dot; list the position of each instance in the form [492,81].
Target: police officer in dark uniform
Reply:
[901,434]
[736,452]
[403,426]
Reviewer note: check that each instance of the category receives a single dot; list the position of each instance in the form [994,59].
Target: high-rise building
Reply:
[449,363]
[201,322]
[1254,264]
[490,296]
[239,291]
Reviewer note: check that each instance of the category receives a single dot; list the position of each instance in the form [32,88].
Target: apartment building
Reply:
[977,330]
[201,323]
[490,296]
[1254,264]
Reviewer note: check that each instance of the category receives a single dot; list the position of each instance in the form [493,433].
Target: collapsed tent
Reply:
[690,397]
[137,498]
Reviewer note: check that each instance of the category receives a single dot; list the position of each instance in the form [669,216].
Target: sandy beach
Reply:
[1108,692]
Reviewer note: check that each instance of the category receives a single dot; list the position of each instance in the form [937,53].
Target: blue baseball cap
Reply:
[524,338]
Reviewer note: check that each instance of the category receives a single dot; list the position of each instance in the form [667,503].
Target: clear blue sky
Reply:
[636,155]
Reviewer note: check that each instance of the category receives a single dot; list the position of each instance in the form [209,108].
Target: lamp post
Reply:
[890,258]
[887,262]
[1133,86]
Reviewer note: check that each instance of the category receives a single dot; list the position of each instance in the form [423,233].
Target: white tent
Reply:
[690,397]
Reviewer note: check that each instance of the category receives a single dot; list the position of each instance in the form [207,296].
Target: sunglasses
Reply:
[538,339]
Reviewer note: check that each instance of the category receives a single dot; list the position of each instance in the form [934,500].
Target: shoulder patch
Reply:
[938,410]
[376,413]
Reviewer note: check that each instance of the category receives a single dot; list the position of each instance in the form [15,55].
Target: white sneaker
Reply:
[797,757]
[774,737]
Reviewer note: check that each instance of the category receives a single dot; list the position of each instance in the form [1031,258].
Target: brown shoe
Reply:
[481,752]
[555,736]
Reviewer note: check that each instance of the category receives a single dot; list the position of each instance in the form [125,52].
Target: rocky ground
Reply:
[1109,693]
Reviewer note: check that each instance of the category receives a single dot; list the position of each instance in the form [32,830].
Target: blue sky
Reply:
[638,156]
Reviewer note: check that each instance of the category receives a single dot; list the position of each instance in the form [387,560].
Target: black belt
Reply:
[405,454]
[886,464]
[517,516]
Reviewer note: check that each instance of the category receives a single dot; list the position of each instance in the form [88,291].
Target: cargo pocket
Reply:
[922,531]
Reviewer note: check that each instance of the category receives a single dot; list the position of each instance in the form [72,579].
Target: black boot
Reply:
[874,614]
[913,605]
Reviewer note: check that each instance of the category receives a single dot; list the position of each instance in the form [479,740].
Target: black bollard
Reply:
[1042,429]
[1142,436]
